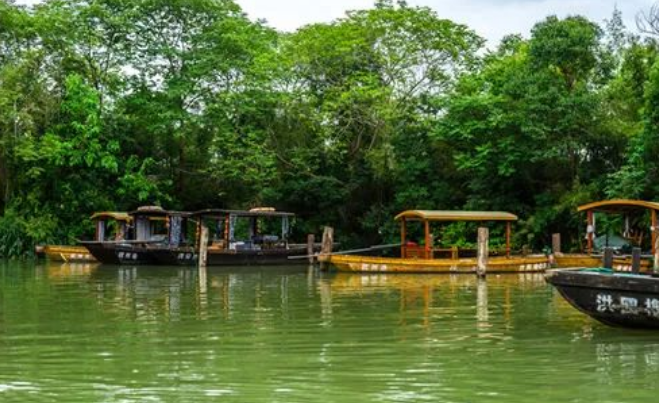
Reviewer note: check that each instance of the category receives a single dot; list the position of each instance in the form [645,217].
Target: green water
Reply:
[148,334]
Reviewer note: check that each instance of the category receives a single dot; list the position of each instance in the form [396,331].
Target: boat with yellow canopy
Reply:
[426,258]
[109,225]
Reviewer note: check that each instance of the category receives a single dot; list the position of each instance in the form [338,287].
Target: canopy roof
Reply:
[157,211]
[242,213]
[457,215]
[618,205]
[117,215]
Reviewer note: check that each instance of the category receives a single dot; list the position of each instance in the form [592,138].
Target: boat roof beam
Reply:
[618,206]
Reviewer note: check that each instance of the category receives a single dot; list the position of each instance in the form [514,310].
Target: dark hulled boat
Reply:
[152,229]
[258,236]
[120,253]
[614,298]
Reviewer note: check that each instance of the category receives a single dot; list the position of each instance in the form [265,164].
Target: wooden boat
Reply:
[636,232]
[369,264]
[108,223]
[428,259]
[66,253]
[154,228]
[611,297]
[258,236]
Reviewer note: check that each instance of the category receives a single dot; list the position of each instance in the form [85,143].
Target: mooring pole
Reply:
[556,244]
[203,246]
[326,247]
[311,240]
[483,251]
[655,264]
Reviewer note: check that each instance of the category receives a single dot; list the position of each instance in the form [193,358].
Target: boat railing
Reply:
[454,252]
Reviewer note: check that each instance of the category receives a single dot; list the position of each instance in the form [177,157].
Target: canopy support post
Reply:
[590,230]
[403,238]
[508,232]
[428,246]
[654,230]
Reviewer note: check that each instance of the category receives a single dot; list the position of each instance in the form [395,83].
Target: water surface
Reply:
[76,333]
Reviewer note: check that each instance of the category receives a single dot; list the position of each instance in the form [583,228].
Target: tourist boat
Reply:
[427,258]
[259,236]
[108,223]
[153,228]
[635,230]
[611,297]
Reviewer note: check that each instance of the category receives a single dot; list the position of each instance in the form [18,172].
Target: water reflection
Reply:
[293,334]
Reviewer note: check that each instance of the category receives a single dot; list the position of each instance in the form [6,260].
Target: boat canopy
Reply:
[261,212]
[618,205]
[119,216]
[156,212]
[457,215]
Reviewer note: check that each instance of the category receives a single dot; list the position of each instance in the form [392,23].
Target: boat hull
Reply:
[110,253]
[188,256]
[64,253]
[370,264]
[620,263]
[616,299]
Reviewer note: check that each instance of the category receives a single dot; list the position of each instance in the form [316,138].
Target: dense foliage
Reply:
[109,104]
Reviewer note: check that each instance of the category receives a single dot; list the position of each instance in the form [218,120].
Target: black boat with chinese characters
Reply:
[611,297]
[153,228]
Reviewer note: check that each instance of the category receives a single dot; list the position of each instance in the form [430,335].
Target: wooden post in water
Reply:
[655,264]
[608,258]
[483,251]
[326,247]
[636,260]
[311,240]
[556,244]
[203,246]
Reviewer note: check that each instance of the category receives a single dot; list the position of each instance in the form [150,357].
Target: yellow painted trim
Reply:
[372,264]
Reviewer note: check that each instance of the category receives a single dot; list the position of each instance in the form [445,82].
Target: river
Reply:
[84,333]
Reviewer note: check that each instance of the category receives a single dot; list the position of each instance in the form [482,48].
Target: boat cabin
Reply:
[112,226]
[153,224]
[249,230]
[426,217]
[631,219]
